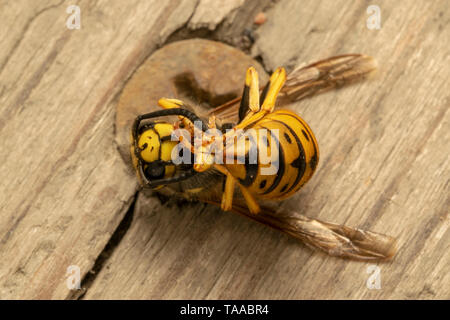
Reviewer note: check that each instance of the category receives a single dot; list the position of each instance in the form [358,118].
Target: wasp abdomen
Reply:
[287,155]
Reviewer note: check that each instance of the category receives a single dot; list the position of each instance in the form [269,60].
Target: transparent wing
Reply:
[333,239]
[336,240]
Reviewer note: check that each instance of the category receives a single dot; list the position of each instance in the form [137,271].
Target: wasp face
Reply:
[148,143]
[155,150]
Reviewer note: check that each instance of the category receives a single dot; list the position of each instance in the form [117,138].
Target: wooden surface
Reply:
[65,190]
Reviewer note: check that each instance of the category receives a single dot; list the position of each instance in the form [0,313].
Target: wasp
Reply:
[277,148]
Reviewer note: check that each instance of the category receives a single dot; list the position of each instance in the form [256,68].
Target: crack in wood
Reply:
[182,33]
[106,253]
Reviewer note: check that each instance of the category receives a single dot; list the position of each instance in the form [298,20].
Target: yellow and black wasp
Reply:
[283,147]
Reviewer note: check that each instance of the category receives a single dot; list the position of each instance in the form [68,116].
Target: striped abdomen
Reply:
[286,145]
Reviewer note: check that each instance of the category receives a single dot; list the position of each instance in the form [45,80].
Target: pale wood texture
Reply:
[64,187]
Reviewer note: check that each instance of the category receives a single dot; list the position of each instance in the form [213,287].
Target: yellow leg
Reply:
[167,103]
[252,204]
[251,80]
[212,122]
[228,192]
[250,100]
[204,159]
[247,121]
[277,80]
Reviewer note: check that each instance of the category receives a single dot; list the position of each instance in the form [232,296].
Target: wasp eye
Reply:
[154,171]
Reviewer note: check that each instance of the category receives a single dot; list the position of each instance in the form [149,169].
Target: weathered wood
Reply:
[384,148]
[64,188]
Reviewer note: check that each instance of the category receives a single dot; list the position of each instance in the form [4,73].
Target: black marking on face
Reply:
[166,138]
[284,188]
[159,140]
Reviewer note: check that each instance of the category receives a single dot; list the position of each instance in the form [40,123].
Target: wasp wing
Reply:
[335,240]
[308,80]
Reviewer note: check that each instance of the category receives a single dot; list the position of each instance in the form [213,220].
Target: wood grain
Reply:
[64,187]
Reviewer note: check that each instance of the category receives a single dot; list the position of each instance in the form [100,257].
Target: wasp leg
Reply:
[228,192]
[167,103]
[250,95]
[276,82]
[269,96]
[206,140]
[252,204]
[204,157]
[198,123]
[212,122]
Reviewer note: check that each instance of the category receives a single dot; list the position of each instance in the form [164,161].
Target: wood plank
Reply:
[384,166]
[64,188]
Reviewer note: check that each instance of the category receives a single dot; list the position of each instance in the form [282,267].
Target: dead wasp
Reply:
[296,154]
